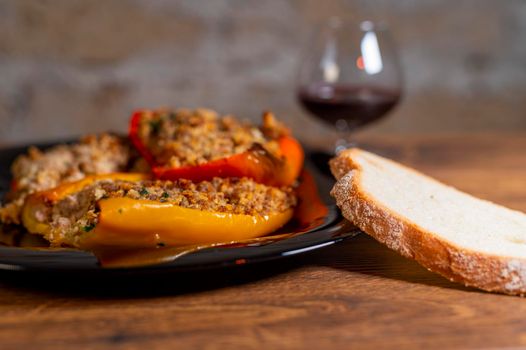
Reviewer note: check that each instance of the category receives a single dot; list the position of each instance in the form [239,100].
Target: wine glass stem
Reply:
[344,136]
[343,142]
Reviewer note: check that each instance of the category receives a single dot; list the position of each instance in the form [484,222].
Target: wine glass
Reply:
[350,76]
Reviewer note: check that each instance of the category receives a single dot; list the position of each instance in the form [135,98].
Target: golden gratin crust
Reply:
[187,137]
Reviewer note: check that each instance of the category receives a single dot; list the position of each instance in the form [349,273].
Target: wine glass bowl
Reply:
[350,76]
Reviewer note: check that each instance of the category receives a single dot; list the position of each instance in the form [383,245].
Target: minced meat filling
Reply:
[79,212]
[40,170]
[193,137]
[238,196]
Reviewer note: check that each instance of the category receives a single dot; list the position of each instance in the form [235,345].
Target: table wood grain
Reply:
[357,294]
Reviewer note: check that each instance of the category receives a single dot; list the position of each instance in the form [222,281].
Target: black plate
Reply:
[332,230]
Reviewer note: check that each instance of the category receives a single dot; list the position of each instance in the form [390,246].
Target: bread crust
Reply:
[485,271]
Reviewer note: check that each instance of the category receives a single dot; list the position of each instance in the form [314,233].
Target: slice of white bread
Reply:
[461,237]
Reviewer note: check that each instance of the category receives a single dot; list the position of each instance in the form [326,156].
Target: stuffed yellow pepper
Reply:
[132,211]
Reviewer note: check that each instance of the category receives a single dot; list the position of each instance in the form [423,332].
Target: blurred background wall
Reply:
[69,66]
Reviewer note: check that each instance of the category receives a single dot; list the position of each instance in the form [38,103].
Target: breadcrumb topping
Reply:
[193,137]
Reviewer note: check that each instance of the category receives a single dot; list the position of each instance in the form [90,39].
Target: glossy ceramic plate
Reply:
[331,229]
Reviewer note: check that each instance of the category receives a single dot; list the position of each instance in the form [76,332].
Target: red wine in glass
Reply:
[356,105]
[349,76]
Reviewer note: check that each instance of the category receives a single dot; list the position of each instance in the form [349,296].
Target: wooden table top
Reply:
[356,294]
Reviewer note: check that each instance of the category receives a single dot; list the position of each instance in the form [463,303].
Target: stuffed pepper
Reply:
[39,170]
[132,211]
[199,145]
